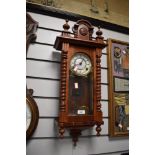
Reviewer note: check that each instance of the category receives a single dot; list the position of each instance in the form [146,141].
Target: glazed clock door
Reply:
[80,85]
[28,116]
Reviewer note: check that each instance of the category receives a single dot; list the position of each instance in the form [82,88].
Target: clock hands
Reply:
[77,65]
[80,65]
[81,62]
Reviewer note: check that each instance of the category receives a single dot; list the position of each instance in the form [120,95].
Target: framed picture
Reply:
[118,76]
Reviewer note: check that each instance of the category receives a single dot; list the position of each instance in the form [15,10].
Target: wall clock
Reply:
[80,88]
[32,114]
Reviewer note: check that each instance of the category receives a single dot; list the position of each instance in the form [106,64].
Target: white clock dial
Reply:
[28,116]
[80,64]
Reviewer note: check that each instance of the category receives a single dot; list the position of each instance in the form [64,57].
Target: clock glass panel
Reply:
[28,116]
[80,85]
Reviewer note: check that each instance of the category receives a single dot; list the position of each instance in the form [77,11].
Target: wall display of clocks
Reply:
[118,64]
[80,88]
[32,114]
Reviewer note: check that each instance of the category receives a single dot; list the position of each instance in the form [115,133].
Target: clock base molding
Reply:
[77,128]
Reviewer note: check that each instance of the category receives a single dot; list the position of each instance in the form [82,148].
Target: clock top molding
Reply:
[82,35]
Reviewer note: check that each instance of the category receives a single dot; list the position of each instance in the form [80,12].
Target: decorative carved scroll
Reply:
[83,30]
[31,28]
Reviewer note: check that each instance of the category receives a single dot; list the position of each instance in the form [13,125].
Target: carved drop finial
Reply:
[66,26]
[99,36]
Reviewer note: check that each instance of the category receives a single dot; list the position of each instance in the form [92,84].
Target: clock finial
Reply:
[99,33]
[66,26]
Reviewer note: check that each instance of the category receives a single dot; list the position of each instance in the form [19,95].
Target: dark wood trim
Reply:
[58,98]
[104,100]
[34,59]
[48,117]
[50,11]
[50,61]
[68,137]
[36,42]
[46,44]
[104,53]
[55,30]
[126,78]
[49,29]
[104,67]
[105,84]
[106,153]
[52,117]
[42,78]
[106,117]
[46,97]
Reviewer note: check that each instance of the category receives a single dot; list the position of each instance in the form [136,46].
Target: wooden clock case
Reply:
[80,41]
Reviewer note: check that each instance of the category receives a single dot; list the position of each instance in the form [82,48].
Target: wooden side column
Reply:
[99,120]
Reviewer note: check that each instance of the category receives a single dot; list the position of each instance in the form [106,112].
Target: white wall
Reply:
[44,61]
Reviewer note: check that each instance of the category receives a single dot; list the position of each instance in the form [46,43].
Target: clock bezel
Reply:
[85,55]
[34,115]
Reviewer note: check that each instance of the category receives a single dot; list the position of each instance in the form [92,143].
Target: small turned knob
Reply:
[66,26]
[99,32]
[29,91]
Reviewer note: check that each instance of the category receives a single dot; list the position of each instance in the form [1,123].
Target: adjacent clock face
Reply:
[80,64]
[32,116]
[28,116]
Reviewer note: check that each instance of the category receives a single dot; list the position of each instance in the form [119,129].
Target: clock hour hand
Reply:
[76,65]
[75,68]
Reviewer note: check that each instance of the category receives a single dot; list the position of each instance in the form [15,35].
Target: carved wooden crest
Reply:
[31,28]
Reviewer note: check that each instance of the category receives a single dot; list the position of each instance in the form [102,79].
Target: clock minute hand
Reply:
[81,62]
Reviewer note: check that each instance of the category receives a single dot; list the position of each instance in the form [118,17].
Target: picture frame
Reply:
[118,79]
